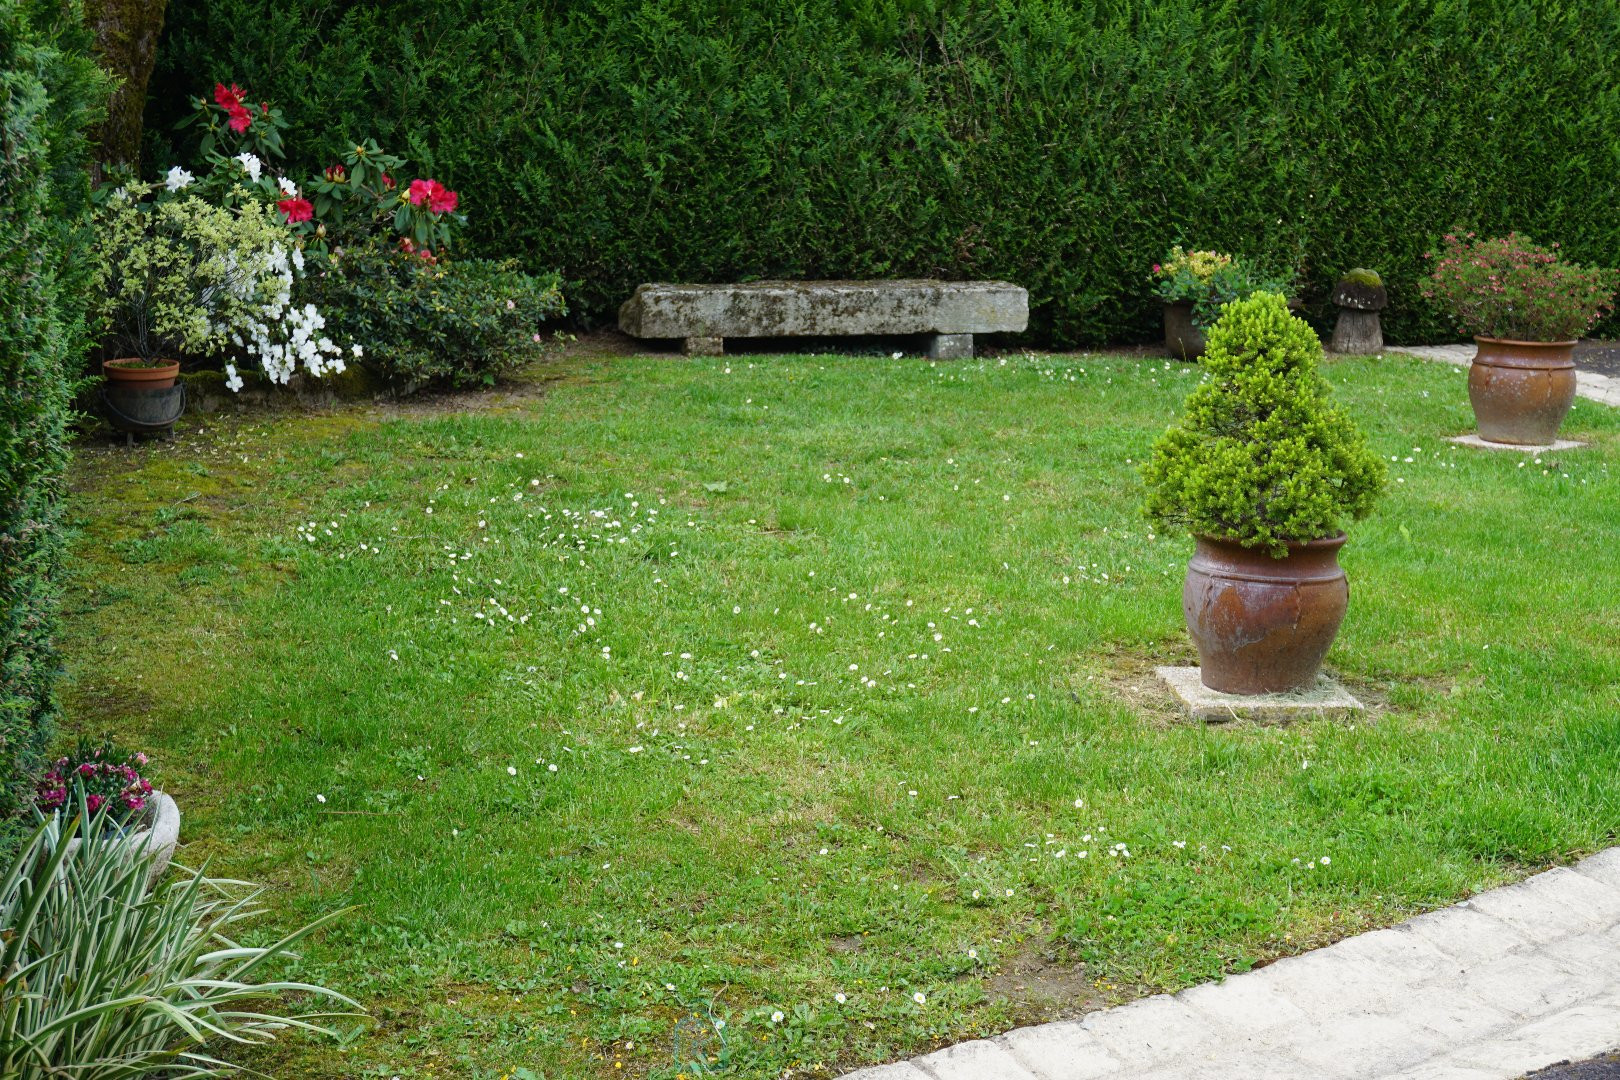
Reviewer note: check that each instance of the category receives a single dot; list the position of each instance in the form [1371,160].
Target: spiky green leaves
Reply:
[1260,455]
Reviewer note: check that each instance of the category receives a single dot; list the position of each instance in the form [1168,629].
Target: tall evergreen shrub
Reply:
[48,96]
[1061,145]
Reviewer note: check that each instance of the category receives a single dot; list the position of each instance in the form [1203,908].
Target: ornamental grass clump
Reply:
[1260,456]
[102,980]
[1509,287]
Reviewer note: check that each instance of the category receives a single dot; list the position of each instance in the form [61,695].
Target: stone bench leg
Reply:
[704,346]
[950,347]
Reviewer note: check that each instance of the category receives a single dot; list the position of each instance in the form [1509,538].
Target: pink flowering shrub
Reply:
[1510,287]
[110,777]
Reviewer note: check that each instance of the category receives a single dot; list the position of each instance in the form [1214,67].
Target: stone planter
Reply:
[1264,625]
[1521,390]
[1182,337]
[159,835]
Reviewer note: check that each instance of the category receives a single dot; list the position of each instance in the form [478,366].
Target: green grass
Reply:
[841,716]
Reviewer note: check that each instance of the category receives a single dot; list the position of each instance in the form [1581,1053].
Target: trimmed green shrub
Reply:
[49,94]
[1260,456]
[1059,145]
[435,320]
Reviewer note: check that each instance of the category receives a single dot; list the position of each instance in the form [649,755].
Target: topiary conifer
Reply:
[1261,456]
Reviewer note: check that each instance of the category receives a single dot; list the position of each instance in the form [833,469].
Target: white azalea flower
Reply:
[288,188]
[251,164]
[178,178]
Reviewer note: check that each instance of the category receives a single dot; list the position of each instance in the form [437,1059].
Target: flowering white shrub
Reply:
[177,273]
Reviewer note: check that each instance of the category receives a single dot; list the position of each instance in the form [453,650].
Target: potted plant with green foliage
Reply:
[1195,286]
[1525,307]
[1263,470]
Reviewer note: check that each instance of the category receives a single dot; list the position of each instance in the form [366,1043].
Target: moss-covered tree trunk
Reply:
[127,34]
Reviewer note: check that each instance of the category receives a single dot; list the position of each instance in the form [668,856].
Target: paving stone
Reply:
[1597,954]
[900,1070]
[1361,1047]
[1468,934]
[1242,1002]
[1454,1014]
[978,1060]
[1478,443]
[1319,984]
[1149,1029]
[1326,699]
[1529,985]
[1415,957]
[1517,979]
[1568,1035]
[1551,905]
[1441,1071]
[1604,866]
[1063,1050]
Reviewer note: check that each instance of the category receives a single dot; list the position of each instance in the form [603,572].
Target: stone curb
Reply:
[1509,981]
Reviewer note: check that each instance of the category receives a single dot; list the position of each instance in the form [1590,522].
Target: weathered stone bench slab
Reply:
[948,312]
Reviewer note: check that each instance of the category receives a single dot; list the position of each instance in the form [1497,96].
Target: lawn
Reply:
[660,696]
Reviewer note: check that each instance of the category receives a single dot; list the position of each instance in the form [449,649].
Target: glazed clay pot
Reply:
[132,373]
[1263,625]
[1183,339]
[1521,390]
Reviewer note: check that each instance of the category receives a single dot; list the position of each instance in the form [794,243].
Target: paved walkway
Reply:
[1588,384]
[1513,980]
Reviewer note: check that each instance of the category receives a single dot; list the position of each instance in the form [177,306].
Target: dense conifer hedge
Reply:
[1058,144]
[47,91]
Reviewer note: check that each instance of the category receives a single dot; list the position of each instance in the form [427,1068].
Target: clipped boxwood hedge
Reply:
[1061,145]
[48,93]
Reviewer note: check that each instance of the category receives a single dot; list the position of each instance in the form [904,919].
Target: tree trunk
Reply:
[127,34]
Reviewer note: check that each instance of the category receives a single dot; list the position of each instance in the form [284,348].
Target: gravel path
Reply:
[1515,979]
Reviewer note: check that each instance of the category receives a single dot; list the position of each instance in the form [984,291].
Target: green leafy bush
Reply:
[1511,287]
[1052,143]
[456,321]
[1209,280]
[100,980]
[1260,456]
[49,95]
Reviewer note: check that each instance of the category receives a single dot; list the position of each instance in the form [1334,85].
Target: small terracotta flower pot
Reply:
[139,374]
[1264,625]
[1182,337]
[1521,390]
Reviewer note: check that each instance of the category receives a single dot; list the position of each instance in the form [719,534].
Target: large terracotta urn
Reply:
[1521,390]
[1263,625]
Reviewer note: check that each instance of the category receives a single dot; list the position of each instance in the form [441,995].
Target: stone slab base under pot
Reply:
[1263,625]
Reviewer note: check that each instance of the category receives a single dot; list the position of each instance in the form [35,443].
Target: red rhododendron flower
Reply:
[441,200]
[226,96]
[241,118]
[297,210]
[388,181]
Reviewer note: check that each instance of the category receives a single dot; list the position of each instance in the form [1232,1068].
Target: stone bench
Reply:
[949,313]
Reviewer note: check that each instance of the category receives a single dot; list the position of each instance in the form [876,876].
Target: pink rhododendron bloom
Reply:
[419,192]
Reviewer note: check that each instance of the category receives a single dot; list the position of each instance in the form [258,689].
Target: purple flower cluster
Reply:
[108,776]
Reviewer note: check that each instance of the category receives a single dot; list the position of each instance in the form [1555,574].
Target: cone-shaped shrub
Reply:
[1260,456]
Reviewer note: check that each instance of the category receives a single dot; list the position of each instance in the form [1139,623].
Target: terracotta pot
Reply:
[1263,625]
[125,372]
[1521,390]
[1182,338]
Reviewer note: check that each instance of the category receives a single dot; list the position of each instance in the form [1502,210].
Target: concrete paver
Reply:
[1510,981]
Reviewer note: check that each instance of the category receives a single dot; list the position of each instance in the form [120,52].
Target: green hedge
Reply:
[1060,145]
[48,90]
